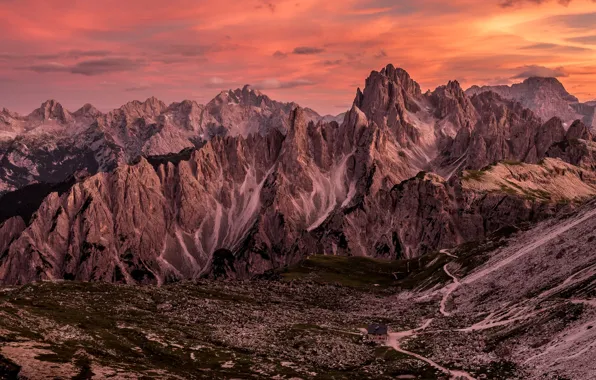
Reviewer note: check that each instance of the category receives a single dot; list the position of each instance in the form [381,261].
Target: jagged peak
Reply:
[51,105]
[154,101]
[151,105]
[452,87]
[355,117]
[87,110]
[488,95]
[51,109]
[454,84]
[537,79]
[249,89]
[403,78]
[185,104]
[6,112]
[578,130]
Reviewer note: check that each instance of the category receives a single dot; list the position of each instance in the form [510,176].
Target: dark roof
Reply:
[377,329]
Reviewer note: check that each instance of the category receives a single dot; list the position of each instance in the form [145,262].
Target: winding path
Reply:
[493,320]
[450,289]
[395,338]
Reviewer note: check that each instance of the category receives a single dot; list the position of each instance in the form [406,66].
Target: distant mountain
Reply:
[337,118]
[546,97]
[51,143]
[258,191]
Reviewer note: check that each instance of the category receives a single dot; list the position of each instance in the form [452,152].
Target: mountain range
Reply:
[150,193]
[266,237]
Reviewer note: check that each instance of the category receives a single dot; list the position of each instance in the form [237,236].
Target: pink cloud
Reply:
[308,51]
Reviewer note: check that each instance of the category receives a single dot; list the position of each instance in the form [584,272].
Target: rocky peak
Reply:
[9,113]
[87,110]
[297,133]
[186,114]
[549,84]
[185,106]
[249,96]
[389,93]
[150,108]
[52,110]
[578,130]
[451,101]
[402,77]
[546,97]
[7,117]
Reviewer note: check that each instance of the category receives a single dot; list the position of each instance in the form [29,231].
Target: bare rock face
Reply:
[246,111]
[9,231]
[51,143]
[452,102]
[259,185]
[504,131]
[546,97]
[578,130]
[51,110]
[549,133]
[577,152]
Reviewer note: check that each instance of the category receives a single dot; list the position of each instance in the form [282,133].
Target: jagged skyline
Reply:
[308,51]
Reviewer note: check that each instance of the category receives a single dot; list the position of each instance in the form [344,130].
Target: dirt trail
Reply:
[503,317]
[450,289]
[446,252]
[395,338]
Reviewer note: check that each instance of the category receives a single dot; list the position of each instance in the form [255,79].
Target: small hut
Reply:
[377,333]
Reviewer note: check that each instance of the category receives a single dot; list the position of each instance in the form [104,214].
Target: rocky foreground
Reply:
[519,305]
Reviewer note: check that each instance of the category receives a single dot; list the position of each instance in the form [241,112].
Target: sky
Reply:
[313,52]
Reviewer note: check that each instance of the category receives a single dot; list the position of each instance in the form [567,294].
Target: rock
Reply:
[275,185]
[578,130]
[546,97]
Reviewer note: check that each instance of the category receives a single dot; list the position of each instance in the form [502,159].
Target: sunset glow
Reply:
[313,52]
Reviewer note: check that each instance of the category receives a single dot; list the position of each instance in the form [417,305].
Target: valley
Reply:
[469,314]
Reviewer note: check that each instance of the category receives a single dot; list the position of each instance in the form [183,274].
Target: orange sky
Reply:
[314,52]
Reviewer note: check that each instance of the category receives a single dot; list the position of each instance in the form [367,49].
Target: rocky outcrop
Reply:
[51,143]
[546,97]
[504,131]
[451,101]
[9,231]
[237,205]
[579,130]
[51,110]
[577,152]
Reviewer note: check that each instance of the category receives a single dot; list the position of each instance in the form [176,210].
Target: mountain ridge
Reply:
[237,206]
[546,97]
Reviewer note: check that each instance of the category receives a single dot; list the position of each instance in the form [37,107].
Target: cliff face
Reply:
[51,143]
[239,206]
[546,97]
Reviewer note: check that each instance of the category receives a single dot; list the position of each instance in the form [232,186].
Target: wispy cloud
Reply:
[89,68]
[279,54]
[314,52]
[512,3]
[272,83]
[540,71]
[307,50]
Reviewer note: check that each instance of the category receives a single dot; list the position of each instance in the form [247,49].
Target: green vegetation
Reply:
[512,162]
[473,175]
[357,272]
[370,274]
[508,190]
